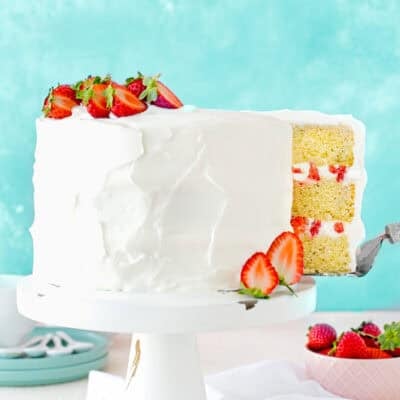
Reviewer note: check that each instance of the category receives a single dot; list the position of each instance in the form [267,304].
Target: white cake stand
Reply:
[164,362]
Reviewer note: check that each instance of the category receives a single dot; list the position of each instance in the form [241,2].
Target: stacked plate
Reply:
[55,369]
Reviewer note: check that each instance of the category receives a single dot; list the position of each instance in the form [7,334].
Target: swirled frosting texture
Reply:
[167,200]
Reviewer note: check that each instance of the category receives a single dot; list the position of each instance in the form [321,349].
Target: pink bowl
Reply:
[356,379]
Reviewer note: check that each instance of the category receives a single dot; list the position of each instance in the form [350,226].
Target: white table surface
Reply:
[218,351]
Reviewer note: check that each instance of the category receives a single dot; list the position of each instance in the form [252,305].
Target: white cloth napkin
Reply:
[268,380]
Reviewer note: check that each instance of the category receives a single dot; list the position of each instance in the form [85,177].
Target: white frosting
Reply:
[163,200]
[356,174]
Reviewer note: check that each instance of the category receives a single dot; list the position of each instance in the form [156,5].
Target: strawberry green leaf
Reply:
[134,78]
[253,292]
[85,95]
[390,338]
[283,283]
[76,86]
[109,95]
[50,99]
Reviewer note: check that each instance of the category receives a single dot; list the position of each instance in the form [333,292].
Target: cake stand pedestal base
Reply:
[164,361]
[164,367]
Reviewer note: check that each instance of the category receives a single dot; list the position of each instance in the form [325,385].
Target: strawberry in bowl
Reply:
[360,364]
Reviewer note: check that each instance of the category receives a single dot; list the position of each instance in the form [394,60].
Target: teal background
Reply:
[333,56]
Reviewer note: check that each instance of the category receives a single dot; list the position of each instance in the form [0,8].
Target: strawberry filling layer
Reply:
[311,173]
[315,227]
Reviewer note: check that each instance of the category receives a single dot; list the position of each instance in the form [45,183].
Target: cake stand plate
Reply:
[164,363]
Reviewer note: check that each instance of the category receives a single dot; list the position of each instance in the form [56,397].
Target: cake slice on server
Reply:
[328,184]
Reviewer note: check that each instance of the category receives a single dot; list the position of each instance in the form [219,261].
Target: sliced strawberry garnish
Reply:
[59,102]
[166,98]
[338,227]
[258,277]
[313,172]
[286,256]
[158,94]
[125,103]
[100,100]
[315,227]
[297,170]
[299,224]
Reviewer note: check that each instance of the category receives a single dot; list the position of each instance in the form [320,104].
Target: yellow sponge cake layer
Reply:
[325,200]
[324,254]
[323,144]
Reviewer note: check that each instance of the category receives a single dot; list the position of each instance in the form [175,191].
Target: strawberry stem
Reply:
[283,283]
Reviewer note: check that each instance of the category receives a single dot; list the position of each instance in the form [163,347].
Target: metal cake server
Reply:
[368,251]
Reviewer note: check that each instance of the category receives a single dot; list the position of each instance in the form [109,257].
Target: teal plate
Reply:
[51,375]
[98,351]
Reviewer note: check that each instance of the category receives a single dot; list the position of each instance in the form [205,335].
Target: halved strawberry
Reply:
[286,256]
[297,170]
[59,102]
[258,277]
[166,98]
[125,103]
[100,100]
[158,94]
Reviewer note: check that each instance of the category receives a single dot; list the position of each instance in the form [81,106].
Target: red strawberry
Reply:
[100,100]
[296,170]
[351,345]
[158,94]
[326,352]
[299,224]
[373,352]
[321,336]
[286,255]
[395,352]
[338,227]
[369,332]
[313,172]
[315,227]
[258,277]
[125,103]
[59,102]
[135,85]
[166,98]
[369,328]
